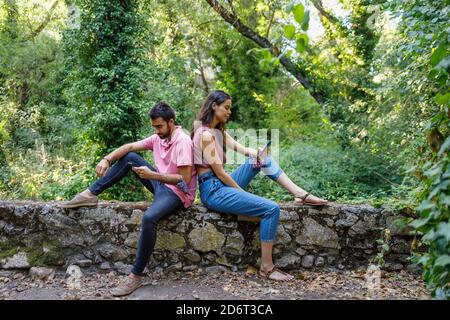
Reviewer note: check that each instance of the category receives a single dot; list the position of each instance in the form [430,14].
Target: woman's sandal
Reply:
[304,202]
[266,275]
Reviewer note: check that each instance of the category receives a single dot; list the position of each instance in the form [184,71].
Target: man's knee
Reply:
[150,219]
[130,156]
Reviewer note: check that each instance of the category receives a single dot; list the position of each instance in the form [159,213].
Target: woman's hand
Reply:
[252,153]
[102,167]
[256,158]
[144,172]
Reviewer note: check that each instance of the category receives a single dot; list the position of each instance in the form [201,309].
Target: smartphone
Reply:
[265,147]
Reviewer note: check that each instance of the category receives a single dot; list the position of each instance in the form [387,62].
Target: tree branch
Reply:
[329,16]
[263,42]
[270,24]
[46,20]
[319,6]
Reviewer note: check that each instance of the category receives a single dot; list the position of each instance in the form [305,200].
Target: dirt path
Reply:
[328,284]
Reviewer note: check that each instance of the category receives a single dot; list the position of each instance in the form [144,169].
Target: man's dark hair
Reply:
[163,110]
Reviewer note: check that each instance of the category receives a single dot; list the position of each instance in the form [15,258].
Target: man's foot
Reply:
[309,199]
[127,285]
[275,274]
[80,200]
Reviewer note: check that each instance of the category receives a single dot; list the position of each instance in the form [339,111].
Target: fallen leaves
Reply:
[326,284]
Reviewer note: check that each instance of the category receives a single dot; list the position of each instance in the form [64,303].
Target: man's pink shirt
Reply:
[168,156]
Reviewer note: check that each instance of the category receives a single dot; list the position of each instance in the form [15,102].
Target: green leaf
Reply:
[442,261]
[423,260]
[444,146]
[288,53]
[438,54]
[266,54]
[289,31]
[302,42]
[416,224]
[429,236]
[444,199]
[275,61]
[305,22]
[253,50]
[289,7]
[442,98]
[298,11]
[433,171]
[437,118]
[426,204]
[443,230]
[441,186]
[385,247]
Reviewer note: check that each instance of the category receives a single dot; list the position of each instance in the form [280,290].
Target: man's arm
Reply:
[184,172]
[104,164]
[123,150]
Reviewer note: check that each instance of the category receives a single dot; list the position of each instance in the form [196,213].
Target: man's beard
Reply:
[165,136]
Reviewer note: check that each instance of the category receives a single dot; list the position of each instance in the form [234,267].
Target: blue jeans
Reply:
[165,202]
[219,197]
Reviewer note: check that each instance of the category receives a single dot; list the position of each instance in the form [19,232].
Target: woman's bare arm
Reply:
[236,146]
[211,157]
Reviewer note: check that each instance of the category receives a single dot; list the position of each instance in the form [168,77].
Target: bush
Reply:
[331,173]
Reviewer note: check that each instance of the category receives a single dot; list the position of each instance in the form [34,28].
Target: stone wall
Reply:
[38,233]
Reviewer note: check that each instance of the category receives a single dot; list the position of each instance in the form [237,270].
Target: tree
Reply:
[105,58]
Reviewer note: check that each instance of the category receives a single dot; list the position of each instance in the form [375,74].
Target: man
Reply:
[173,182]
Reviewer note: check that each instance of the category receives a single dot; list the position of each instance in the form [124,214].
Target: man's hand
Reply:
[144,172]
[102,167]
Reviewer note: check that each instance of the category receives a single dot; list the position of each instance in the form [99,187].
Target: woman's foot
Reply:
[309,199]
[275,274]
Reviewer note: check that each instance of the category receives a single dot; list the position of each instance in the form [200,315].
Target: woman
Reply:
[223,192]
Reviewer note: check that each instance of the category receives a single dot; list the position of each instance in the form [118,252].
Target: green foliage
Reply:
[243,77]
[383,246]
[328,172]
[105,61]
[433,166]
[68,95]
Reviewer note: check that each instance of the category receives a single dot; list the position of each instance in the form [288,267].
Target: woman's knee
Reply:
[273,210]
[271,168]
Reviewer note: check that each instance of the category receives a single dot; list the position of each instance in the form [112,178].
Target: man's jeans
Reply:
[217,196]
[165,202]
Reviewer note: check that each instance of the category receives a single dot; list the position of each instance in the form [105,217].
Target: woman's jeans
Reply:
[217,196]
[165,202]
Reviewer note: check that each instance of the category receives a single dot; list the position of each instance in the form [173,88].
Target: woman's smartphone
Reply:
[264,149]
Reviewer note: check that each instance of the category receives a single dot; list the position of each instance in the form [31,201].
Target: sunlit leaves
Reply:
[302,42]
[289,31]
[438,54]
[292,33]
[298,11]
[305,21]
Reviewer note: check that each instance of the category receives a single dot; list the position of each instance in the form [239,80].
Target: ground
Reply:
[325,284]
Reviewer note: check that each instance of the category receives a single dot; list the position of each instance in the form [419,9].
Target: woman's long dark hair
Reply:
[206,113]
